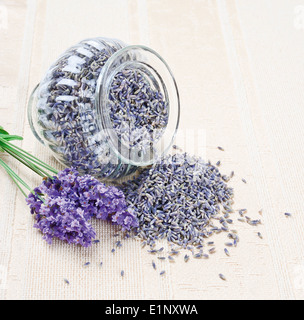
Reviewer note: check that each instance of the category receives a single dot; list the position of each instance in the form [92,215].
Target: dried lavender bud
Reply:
[227,252]
[222,277]
[153,265]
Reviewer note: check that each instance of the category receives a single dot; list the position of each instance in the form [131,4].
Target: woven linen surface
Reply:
[239,68]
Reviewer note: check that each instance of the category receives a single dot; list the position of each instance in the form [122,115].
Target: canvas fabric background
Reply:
[239,68]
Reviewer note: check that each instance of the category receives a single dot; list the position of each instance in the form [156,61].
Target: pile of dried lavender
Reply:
[179,199]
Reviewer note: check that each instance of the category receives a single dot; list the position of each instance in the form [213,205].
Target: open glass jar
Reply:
[106,108]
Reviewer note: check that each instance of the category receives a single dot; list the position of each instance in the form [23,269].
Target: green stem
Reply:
[9,137]
[29,156]
[14,176]
[27,163]
[17,184]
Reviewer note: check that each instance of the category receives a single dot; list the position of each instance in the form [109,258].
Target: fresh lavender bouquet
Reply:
[65,201]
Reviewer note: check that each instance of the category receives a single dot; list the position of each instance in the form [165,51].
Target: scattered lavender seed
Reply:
[231,174]
[96,241]
[162,272]
[244,180]
[113,250]
[227,252]
[218,163]
[66,281]
[212,250]
[220,148]
[225,178]
[287,214]
[242,212]
[152,251]
[260,235]
[87,263]
[229,244]
[161,258]
[222,277]
[153,265]
[170,258]
[254,222]
[122,273]
[176,147]
[186,258]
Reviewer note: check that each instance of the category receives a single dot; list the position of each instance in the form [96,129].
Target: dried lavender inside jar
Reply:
[105,108]
[136,110]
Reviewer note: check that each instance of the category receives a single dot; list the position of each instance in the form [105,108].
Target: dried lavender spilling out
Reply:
[103,108]
[180,199]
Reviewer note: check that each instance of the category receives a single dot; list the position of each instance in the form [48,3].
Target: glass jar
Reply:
[106,108]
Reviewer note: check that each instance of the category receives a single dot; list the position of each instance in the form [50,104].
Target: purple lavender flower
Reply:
[65,224]
[64,204]
[126,218]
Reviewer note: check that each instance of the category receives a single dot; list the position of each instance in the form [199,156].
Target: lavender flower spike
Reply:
[65,203]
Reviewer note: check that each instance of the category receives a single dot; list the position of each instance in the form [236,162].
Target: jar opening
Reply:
[137,103]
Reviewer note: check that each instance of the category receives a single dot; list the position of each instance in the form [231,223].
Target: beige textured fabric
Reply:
[239,67]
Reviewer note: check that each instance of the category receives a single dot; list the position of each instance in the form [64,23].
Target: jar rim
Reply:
[142,58]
